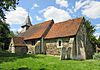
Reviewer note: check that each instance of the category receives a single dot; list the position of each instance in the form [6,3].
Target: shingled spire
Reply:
[26,24]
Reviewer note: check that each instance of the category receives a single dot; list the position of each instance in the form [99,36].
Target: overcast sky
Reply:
[59,10]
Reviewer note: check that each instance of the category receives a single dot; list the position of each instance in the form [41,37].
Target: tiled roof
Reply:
[18,41]
[63,29]
[36,31]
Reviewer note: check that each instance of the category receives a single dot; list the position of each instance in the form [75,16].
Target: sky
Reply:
[58,10]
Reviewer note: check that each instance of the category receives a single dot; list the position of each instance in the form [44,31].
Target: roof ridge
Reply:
[42,22]
[70,20]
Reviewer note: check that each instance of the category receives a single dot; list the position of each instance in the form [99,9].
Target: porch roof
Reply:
[18,41]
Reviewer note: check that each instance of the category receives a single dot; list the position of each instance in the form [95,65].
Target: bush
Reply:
[96,56]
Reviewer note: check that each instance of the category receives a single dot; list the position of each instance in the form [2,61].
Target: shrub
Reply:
[96,56]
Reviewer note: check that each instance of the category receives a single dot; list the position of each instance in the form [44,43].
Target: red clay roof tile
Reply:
[36,31]
[63,29]
[18,41]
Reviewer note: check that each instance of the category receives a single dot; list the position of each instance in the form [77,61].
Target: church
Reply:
[67,39]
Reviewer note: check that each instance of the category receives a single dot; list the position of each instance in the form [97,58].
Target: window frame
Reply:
[61,44]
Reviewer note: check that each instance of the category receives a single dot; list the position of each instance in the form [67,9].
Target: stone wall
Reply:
[81,42]
[37,47]
[52,49]
[65,51]
[21,50]
[12,49]
[71,50]
[18,50]
[83,45]
[30,48]
[33,48]
[52,45]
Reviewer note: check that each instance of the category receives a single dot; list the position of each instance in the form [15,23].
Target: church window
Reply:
[59,43]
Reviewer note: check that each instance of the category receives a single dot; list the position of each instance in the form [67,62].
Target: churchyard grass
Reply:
[44,62]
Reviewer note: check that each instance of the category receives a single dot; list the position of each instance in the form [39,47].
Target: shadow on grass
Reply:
[42,69]
[8,57]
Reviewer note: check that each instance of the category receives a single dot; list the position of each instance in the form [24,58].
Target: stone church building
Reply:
[67,39]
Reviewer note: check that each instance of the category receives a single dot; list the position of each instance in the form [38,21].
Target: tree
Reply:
[5,33]
[4,29]
[98,42]
[99,38]
[90,32]
[7,5]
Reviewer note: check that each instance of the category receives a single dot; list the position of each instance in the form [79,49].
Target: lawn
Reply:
[44,62]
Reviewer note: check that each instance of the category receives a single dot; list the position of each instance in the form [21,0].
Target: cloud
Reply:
[79,4]
[92,10]
[56,14]
[70,10]
[35,6]
[38,18]
[97,26]
[89,8]
[97,35]
[62,3]
[17,16]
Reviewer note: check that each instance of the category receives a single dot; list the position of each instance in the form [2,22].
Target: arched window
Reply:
[59,43]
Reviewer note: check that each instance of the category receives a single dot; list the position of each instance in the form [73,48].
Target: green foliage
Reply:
[98,42]
[12,34]
[1,44]
[90,31]
[4,33]
[4,30]
[7,5]
[44,62]
[96,56]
